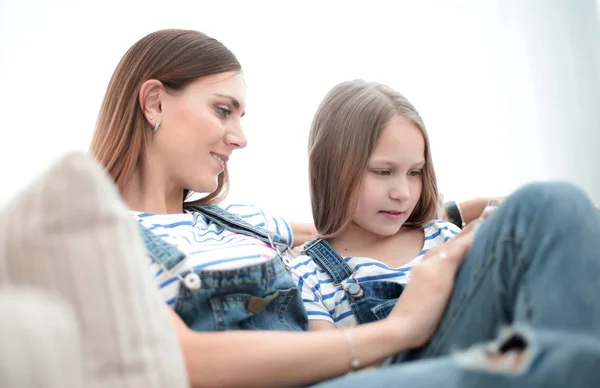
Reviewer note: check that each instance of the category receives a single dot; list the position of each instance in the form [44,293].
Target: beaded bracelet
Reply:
[354,362]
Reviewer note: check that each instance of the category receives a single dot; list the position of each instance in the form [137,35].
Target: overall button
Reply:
[192,281]
[354,290]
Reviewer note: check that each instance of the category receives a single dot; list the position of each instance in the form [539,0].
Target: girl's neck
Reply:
[354,237]
[394,251]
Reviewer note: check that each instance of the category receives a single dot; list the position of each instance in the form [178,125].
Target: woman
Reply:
[168,125]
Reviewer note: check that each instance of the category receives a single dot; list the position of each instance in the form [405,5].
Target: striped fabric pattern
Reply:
[324,301]
[207,245]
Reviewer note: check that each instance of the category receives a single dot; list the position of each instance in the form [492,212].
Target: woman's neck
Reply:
[151,194]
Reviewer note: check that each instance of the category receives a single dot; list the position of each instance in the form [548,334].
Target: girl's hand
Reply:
[424,299]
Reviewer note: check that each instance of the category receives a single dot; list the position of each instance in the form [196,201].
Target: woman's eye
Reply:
[223,112]
[415,173]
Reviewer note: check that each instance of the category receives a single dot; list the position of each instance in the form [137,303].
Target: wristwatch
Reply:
[454,214]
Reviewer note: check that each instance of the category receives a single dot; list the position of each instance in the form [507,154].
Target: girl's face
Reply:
[393,181]
[200,127]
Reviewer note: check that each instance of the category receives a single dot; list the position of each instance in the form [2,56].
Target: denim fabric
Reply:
[535,263]
[236,224]
[376,298]
[551,360]
[258,297]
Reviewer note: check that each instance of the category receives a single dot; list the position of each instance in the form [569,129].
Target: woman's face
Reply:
[199,129]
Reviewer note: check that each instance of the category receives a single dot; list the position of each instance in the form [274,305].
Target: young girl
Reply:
[374,200]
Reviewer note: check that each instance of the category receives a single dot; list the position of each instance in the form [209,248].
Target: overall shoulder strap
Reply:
[160,251]
[328,259]
[236,224]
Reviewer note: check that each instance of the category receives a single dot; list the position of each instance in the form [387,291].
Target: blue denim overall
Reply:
[369,300]
[258,297]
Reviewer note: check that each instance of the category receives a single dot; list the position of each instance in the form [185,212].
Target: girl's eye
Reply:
[415,173]
[382,172]
[222,111]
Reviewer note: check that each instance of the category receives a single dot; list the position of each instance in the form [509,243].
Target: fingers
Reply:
[471,225]
[453,250]
[458,249]
[488,212]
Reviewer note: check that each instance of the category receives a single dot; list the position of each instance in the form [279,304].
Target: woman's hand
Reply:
[424,299]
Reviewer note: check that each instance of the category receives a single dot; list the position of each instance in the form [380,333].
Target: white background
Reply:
[509,89]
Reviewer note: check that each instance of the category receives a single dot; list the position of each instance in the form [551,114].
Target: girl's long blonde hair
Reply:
[343,135]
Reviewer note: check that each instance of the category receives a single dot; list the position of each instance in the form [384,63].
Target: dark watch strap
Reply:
[453,213]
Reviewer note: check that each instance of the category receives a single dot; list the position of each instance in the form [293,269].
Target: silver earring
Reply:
[151,117]
[156,125]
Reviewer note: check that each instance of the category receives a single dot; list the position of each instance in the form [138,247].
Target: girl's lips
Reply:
[392,215]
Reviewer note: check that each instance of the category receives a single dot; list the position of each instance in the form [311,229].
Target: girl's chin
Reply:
[384,232]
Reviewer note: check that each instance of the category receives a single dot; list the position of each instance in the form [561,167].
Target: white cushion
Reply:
[40,337]
[69,233]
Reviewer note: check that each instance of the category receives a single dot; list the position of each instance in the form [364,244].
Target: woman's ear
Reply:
[150,99]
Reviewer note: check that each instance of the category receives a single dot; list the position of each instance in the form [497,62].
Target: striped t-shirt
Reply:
[324,301]
[207,245]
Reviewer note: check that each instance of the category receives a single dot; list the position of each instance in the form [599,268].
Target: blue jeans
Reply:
[551,360]
[534,264]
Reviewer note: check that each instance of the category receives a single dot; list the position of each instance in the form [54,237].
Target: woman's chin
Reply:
[207,186]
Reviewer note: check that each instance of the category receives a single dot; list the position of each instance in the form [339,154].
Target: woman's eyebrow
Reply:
[236,104]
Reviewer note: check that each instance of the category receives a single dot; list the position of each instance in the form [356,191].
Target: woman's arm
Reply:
[285,359]
[473,208]
[303,232]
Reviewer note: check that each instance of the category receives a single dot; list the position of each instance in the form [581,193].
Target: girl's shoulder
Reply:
[443,228]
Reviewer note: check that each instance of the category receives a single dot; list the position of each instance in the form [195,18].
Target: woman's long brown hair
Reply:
[173,57]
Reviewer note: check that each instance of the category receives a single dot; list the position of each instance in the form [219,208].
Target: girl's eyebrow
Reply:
[391,163]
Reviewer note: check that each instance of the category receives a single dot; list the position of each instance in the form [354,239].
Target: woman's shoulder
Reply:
[146,219]
[251,214]
[258,217]
[243,210]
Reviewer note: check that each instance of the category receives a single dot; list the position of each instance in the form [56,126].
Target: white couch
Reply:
[77,304]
